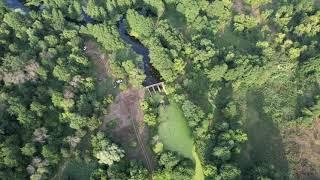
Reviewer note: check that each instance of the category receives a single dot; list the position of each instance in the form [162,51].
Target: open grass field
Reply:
[174,131]
[198,175]
[176,136]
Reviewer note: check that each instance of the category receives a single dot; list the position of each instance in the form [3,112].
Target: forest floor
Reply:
[303,149]
[124,121]
[238,6]
[125,117]
[99,59]
[76,169]
[127,126]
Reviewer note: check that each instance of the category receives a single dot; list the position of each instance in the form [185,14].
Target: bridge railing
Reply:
[154,88]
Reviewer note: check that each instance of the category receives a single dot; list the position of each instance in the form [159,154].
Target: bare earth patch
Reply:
[130,130]
[238,6]
[99,59]
[303,147]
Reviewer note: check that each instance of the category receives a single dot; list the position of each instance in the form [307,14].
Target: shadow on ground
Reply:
[264,153]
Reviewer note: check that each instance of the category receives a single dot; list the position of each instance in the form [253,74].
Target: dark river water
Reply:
[152,75]
[16,4]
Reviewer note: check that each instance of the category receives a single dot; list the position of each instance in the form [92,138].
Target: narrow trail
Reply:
[142,147]
[139,139]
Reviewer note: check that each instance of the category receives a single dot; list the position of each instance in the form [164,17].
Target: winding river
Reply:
[152,75]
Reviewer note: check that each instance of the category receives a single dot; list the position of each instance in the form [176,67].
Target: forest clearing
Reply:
[159,89]
[176,136]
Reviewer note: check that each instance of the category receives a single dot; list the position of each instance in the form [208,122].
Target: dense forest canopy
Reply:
[241,96]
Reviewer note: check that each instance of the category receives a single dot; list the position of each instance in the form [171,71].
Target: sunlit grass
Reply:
[176,136]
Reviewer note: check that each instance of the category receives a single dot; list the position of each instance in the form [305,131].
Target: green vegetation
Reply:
[173,128]
[241,76]
[176,136]
[77,170]
[198,172]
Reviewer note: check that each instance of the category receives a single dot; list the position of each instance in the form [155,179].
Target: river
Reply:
[152,75]
[16,4]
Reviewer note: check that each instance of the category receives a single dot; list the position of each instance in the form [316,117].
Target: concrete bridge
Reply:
[154,88]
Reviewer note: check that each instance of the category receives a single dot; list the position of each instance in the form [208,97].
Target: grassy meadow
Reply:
[176,135]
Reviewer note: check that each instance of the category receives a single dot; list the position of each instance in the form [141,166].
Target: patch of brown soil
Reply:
[303,149]
[130,130]
[238,6]
[99,59]
[130,127]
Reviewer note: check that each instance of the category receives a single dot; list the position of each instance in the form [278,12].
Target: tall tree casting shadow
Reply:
[263,154]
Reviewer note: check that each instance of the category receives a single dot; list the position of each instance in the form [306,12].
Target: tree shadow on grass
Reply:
[264,149]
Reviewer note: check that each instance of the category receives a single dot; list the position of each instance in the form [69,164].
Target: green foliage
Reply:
[10,155]
[156,5]
[140,26]
[150,119]
[310,26]
[196,118]
[59,101]
[78,169]
[106,152]
[229,172]
[244,22]
[173,128]
[28,149]
[257,2]
[190,9]
[50,155]
[138,172]
[242,71]
[158,148]
[135,76]
[46,81]
[220,12]
[105,34]
[95,11]
[168,160]
[217,73]
[161,60]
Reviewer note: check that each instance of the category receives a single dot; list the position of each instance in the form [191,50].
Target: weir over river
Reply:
[152,75]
